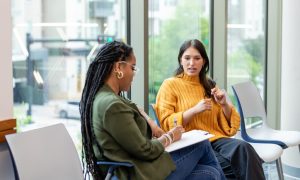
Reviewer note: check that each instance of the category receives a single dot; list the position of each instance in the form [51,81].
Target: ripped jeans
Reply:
[196,162]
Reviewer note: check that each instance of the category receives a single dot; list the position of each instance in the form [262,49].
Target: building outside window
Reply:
[52,48]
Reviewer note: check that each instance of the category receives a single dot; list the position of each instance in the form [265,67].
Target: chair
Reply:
[262,149]
[6,166]
[112,167]
[268,153]
[153,109]
[250,104]
[47,153]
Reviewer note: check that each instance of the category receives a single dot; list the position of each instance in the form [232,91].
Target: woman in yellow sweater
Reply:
[193,100]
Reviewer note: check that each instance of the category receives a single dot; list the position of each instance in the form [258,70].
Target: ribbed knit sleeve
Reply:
[178,94]
[231,126]
[166,103]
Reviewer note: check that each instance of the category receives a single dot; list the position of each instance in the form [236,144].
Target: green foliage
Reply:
[255,47]
[187,23]
[22,121]
[20,114]
[244,67]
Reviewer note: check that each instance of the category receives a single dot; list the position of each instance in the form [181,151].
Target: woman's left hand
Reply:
[219,96]
[157,131]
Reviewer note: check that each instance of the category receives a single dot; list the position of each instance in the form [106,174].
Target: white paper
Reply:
[189,138]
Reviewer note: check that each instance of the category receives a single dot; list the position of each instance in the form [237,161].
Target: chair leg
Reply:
[279,169]
[108,176]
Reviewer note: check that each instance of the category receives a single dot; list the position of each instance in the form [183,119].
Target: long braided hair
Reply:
[207,83]
[97,73]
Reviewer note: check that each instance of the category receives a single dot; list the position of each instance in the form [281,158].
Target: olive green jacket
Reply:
[124,135]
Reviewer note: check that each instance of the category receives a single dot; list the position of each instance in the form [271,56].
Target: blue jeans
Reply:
[196,162]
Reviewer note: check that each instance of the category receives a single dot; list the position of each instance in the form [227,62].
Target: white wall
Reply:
[6,91]
[274,63]
[290,79]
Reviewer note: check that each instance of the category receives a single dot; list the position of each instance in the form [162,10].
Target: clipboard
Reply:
[189,138]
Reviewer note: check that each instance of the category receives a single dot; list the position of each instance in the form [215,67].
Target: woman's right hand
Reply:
[204,104]
[176,133]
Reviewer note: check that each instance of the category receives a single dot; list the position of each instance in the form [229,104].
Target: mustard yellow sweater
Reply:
[178,94]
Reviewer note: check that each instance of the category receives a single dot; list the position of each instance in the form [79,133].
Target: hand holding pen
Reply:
[176,132]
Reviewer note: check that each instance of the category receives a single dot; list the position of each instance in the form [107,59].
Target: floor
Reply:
[290,173]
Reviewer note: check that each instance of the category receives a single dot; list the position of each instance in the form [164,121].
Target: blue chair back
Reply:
[153,109]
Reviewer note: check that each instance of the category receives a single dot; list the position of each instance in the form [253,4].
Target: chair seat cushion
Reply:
[290,138]
[267,152]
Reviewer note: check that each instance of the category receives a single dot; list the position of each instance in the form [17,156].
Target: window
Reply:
[52,48]
[169,26]
[246,44]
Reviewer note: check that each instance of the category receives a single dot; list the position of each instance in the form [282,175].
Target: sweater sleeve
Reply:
[121,125]
[166,101]
[231,126]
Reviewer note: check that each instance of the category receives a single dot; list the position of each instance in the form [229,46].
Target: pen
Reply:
[175,122]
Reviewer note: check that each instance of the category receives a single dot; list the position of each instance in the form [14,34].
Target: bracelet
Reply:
[173,136]
[167,140]
[169,137]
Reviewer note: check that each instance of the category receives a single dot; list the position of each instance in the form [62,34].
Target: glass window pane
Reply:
[171,22]
[52,48]
[246,48]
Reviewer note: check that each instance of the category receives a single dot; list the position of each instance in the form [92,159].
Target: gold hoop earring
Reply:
[120,74]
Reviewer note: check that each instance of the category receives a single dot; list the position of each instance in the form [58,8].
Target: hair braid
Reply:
[96,75]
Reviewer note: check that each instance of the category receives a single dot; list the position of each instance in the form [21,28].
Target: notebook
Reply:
[189,138]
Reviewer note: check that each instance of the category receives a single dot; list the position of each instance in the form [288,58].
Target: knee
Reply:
[246,148]
[204,146]
[205,143]
[244,145]
[207,172]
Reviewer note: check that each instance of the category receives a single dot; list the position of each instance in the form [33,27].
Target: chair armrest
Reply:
[111,163]
[247,138]
[112,166]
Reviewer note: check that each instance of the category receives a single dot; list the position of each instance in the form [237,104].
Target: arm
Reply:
[230,119]
[229,125]
[220,98]
[121,123]
[174,134]
[227,110]
[156,131]
[167,101]
[203,105]
[166,105]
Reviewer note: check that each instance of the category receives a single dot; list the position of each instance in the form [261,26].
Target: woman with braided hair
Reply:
[113,128]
